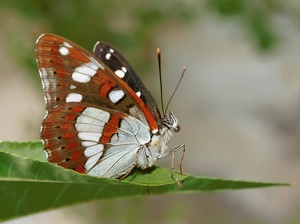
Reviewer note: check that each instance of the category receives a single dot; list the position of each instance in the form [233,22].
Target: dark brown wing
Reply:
[113,59]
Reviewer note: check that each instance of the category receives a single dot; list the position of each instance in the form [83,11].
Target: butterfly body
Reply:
[101,119]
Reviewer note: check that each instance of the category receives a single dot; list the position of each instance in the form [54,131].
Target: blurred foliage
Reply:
[132,26]
[229,7]
[255,15]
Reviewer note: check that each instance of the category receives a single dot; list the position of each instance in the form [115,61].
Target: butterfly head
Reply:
[171,122]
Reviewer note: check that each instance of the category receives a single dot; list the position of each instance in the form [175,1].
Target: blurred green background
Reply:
[238,104]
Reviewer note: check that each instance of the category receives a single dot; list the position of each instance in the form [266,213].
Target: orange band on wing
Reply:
[110,128]
[148,115]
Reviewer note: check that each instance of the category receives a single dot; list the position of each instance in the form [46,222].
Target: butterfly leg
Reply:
[181,160]
[180,184]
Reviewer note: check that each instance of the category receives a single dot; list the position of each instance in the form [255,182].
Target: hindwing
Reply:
[93,140]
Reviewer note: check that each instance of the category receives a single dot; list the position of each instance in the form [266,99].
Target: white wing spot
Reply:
[120,73]
[111,50]
[63,51]
[74,97]
[72,87]
[66,44]
[101,115]
[88,143]
[92,150]
[84,72]
[107,56]
[124,69]
[79,77]
[90,136]
[116,95]
[90,125]
[138,93]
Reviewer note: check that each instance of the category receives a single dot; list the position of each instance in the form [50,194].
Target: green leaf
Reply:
[30,185]
[27,149]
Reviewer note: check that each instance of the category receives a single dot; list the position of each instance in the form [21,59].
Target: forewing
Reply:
[71,74]
[87,107]
[113,59]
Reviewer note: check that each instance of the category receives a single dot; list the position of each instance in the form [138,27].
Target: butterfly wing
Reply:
[93,140]
[113,58]
[71,74]
[74,78]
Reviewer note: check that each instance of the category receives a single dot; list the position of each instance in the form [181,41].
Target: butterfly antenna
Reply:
[160,80]
[182,74]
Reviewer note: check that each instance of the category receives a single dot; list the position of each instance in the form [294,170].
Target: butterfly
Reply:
[100,118]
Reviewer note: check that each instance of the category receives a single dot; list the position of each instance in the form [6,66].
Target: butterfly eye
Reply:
[171,122]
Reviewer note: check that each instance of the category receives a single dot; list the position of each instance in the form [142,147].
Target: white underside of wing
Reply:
[115,164]
[124,147]
[90,125]
[120,153]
